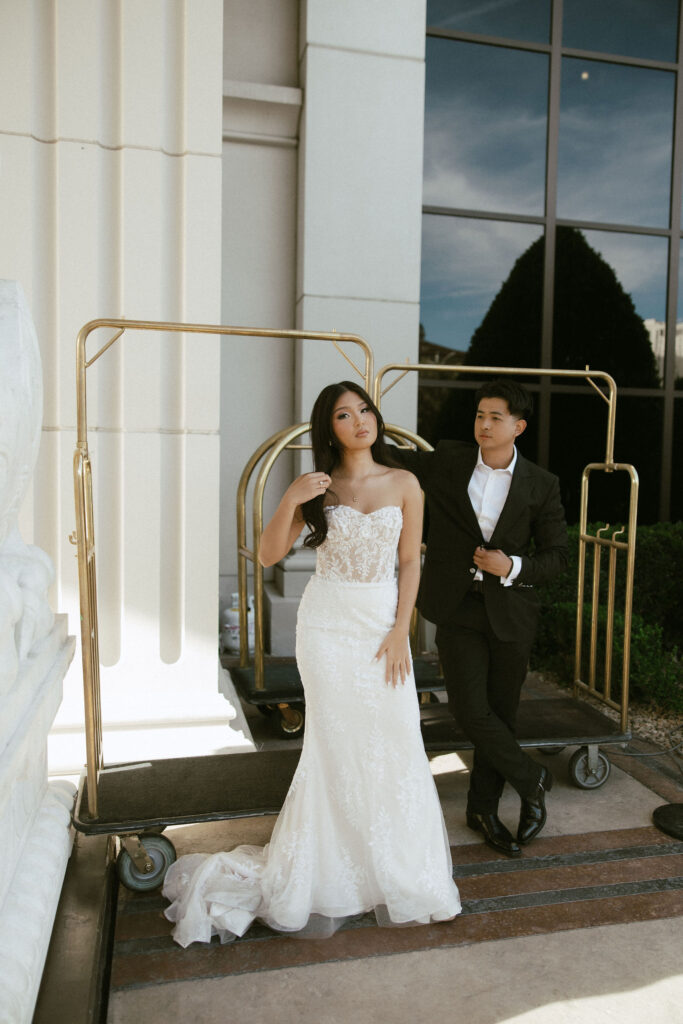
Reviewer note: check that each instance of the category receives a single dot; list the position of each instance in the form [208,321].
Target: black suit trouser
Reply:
[483,677]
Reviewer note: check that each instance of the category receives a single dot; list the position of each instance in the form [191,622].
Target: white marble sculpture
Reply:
[35,652]
[26,572]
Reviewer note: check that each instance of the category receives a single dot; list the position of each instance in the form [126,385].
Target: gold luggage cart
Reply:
[272,683]
[551,724]
[136,802]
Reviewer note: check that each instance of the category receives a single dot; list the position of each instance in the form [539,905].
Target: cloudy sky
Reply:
[485,143]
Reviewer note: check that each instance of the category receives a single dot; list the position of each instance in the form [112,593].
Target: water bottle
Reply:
[250,625]
[230,627]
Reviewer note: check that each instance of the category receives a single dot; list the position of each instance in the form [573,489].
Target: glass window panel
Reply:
[639,28]
[616,126]
[677,476]
[448,412]
[528,20]
[468,263]
[577,437]
[610,294]
[678,358]
[485,127]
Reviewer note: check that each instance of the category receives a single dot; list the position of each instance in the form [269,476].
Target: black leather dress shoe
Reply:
[533,814]
[495,833]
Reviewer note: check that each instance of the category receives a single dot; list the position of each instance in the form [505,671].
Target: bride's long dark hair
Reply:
[327,454]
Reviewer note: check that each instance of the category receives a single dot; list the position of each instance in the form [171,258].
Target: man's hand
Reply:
[496,562]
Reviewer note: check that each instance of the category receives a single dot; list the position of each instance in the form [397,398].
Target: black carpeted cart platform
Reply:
[138,801]
[550,724]
[177,791]
[547,723]
[282,697]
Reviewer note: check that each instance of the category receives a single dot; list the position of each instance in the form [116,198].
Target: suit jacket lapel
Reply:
[518,497]
[461,478]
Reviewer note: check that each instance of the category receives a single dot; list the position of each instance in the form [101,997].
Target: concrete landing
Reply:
[586,926]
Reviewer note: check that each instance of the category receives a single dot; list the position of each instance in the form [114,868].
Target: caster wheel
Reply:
[428,697]
[267,710]
[162,854]
[580,773]
[290,728]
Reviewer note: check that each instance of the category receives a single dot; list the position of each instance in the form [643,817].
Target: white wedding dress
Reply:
[361,827]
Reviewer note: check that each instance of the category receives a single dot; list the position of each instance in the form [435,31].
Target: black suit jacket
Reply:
[531,525]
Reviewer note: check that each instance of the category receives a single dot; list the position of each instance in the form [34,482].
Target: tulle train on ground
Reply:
[361,828]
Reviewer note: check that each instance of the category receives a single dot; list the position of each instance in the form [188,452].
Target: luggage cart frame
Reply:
[273,683]
[135,802]
[557,723]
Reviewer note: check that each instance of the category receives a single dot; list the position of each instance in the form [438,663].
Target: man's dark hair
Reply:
[520,403]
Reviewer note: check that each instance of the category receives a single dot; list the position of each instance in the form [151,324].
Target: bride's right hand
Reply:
[307,486]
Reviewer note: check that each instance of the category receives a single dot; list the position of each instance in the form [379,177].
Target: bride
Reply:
[361,828]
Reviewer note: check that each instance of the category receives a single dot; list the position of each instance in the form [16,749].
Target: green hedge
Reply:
[657,581]
[656,671]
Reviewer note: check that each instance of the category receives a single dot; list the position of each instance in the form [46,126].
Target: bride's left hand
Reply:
[397,650]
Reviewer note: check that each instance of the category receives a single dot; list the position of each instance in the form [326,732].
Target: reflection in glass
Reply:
[676,477]
[516,19]
[595,321]
[647,28]
[678,358]
[448,412]
[616,125]
[578,426]
[485,127]
[465,263]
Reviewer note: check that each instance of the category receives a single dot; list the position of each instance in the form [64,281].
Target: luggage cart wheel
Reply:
[290,721]
[142,865]
[589,768]
[265,709]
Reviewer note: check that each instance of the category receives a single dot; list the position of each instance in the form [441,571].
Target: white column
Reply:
[360,174]
[110,201]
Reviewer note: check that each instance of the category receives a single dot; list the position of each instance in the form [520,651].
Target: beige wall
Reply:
[261,112]
[322,183]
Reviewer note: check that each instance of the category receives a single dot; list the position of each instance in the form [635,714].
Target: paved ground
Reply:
[587,926]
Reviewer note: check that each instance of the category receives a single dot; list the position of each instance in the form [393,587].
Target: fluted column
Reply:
[110,204]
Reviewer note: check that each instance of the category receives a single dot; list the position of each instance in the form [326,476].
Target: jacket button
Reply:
[473,570]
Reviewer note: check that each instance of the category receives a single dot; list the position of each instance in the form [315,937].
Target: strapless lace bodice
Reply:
[361,828]
[359,548]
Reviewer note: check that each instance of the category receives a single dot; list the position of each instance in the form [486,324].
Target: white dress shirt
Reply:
[488,490]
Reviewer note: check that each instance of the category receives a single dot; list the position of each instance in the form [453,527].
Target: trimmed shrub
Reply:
[656,672]
[657,578]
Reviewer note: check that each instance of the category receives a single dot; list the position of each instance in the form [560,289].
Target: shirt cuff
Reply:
[507,581]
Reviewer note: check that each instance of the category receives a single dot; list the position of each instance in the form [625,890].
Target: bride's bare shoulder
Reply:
[405,481]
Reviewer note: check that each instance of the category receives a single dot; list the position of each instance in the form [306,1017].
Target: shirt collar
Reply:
[510,468]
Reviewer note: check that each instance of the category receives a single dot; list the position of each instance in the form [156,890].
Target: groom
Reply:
[496,530]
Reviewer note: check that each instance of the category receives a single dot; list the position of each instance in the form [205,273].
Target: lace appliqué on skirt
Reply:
[361,828]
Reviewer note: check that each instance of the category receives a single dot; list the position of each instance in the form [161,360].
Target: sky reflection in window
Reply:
[485,127]
[637,28]
[527,20]
[616,126]
[464,264]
